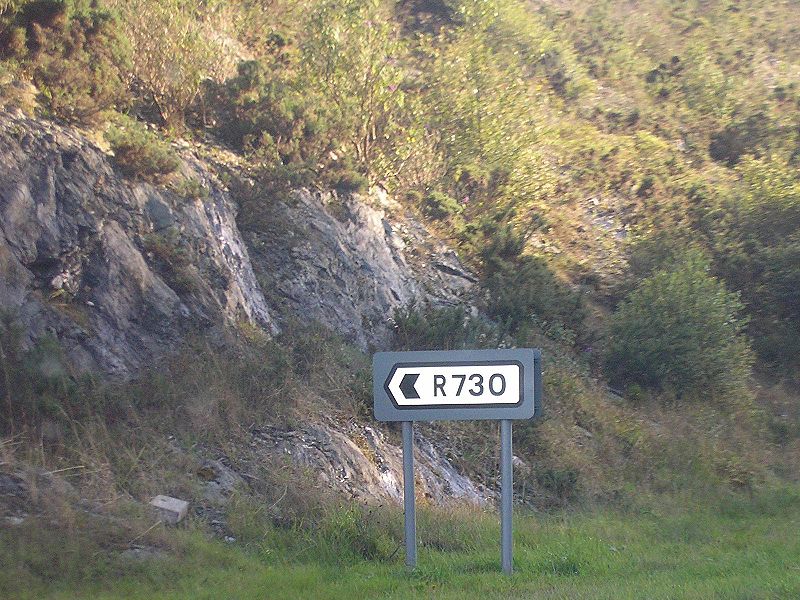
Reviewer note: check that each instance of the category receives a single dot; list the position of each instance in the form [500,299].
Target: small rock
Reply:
[171,510]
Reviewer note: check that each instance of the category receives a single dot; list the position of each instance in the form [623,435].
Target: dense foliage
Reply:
[497,120]
[76,53]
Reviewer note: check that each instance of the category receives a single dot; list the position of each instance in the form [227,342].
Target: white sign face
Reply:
[456,385]
[433,385]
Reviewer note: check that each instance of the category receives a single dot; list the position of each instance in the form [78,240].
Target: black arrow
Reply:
[407,385]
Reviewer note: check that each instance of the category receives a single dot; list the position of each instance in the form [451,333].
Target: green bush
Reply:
[140,154]
[561,483]
[76,54]
[350,182]
[438,205]
[448,328]
[756,248]
[498,244]
[680,330]
[190,189]
[737,139]
[265,108]
[525,292]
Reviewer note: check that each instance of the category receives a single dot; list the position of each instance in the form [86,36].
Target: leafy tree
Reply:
[680,330]
[177,44]
[485,109]
[352,52]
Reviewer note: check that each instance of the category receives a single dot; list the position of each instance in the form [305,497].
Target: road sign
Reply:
[458,385]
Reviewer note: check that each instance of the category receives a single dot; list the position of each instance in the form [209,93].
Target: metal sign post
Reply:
[409,501]
[458,385]
[506,495]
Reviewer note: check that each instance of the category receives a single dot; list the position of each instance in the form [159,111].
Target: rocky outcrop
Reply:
[343,261]
[365,465]
[121,271]
[118,271]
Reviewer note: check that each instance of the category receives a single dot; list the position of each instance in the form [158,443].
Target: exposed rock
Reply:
[29,493]
[95,260]
[121,271]
[15,500]
[344,263]
[363,464]
[220,481]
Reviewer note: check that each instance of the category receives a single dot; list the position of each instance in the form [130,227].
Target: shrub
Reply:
[679,330]
[438,205]
[268,112]
[737,139]
[350,182]
[561,483]
[138,153]
[756,247]
[448,328]
[498,244]
[78,57]
[265,108]
[526,292]
[191,189]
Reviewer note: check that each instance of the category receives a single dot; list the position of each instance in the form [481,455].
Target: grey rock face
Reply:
[220,481]
[118,271]
[346,264]
[366,466]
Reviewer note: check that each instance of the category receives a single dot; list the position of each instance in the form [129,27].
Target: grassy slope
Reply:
[738,549]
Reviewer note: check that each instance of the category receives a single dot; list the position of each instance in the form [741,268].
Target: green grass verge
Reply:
[734,548]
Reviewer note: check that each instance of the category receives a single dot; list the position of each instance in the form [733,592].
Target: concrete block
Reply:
[171,510]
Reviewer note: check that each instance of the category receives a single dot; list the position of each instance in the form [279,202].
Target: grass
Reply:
[736,547]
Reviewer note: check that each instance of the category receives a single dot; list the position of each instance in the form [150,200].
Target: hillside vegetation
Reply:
[624,177]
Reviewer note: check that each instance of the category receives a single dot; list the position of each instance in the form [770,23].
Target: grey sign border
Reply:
[385,363]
